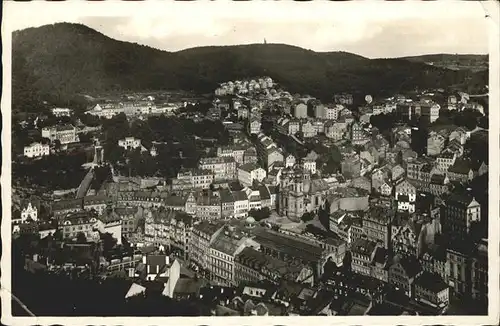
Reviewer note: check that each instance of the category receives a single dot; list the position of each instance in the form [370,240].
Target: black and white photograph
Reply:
[265,162]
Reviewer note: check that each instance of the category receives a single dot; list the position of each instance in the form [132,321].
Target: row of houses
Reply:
[64,134]
[244,251]
[268,152]
[201,203]
[244,86]
[430,278]
[131,108]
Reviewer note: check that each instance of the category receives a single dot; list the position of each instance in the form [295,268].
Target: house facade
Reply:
[36,150]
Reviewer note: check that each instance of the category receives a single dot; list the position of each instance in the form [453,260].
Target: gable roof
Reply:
[438,179]
[240,195]
[411,266]
[363,246]
[226,196]
[135,289]
[405,180]
[431,281]
[264,192]
[380,256]
[460,166]
[249,167]
[188,286]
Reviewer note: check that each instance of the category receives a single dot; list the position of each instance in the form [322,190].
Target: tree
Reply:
[383,121]
[81,238]
[85,138]
[108,242]
[346,261]
[260,214]
[58,235]
[358,148]
[308,216]
[88,119]
[477,148]
[57,144]
[484,122]
[324,215]
[329,268]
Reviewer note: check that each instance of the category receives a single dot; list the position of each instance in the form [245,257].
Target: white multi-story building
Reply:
[254,126]
[290,161]
[241,204]
[36,150]
[65,134]
[106,111]
[130,143]
[62,112]
[300,110]
[223,168]
[79,222]
[29,212]
[192,179]
[236,152]
[134,108]
[444,161]
[328,112]
[249,172]
[309,165]
[406,188]
[202,179]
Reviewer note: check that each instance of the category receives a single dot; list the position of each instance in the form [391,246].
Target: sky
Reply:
[371,29]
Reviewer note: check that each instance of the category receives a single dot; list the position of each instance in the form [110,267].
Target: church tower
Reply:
[98,153]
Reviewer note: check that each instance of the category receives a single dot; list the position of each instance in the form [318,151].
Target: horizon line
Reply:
[246,44]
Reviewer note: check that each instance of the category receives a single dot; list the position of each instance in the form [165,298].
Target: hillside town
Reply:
[259,202]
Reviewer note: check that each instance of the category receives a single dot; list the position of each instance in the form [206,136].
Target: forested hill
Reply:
[473,62]
[55,62]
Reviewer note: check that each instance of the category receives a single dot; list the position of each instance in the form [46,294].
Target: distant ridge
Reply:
[473,62]
[60,60]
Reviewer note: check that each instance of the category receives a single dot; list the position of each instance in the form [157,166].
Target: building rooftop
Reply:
[240,195]
[178,201]
[226,196]
[188,286]
[264,193]
[431,281]
[460,166]
[461,198]
[288,244]
[258,260]
[363,246]
[381,256]
[228,243]
[216,160]
[208,199]
[438,179]
[65,127]
[249,167]
[411,266]
[208,227]
[446,154]
[123,211]
[67,204]
[380,213]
